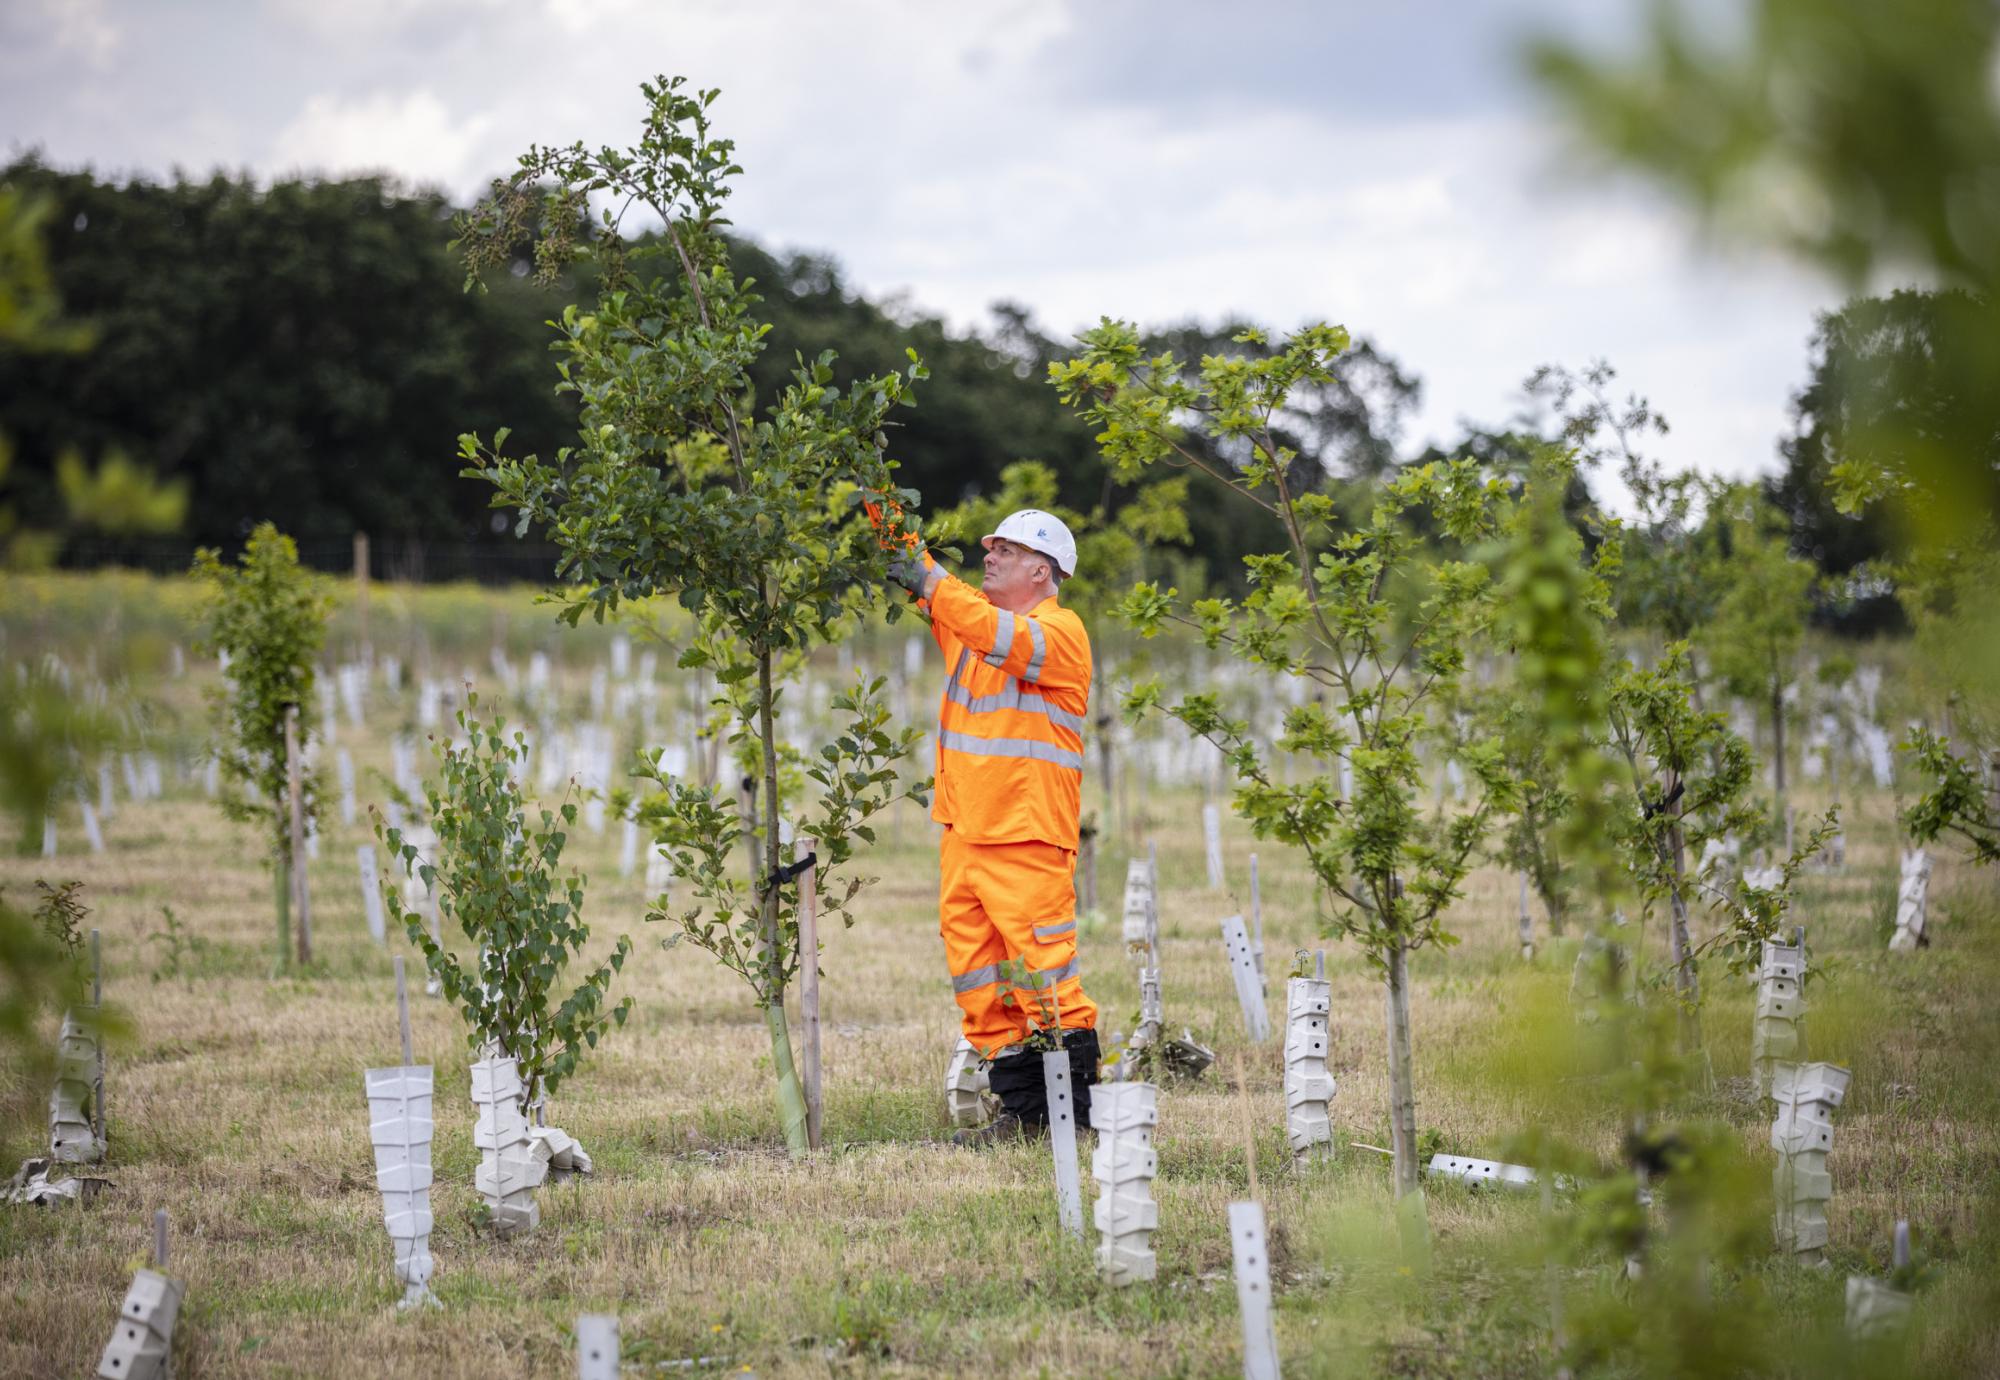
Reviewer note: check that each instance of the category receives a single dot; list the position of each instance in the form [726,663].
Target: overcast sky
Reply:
[1382,166]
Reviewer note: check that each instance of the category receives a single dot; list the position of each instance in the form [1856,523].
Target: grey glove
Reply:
[909,572]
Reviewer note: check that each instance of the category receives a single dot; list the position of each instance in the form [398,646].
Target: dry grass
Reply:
[237,1104]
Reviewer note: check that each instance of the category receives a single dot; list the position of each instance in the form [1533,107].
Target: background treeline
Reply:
[306,353]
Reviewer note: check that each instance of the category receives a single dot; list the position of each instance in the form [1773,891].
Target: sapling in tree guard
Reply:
[268,615]
[1760,621]
[1685,783]
[495,875]
[676,488]
[1374,616]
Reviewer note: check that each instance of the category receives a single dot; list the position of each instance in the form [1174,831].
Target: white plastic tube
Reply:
[400,1126]
[1309,1086]
[1124,1165]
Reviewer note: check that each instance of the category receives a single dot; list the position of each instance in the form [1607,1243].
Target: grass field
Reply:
[236,1103]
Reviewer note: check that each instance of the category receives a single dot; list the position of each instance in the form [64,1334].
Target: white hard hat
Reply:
[1039,531]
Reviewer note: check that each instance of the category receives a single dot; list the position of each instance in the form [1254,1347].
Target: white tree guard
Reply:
[1525,924]
[1253,1291]
[1912,903]
[597,1346]
[967,1086]
[353,690]
[1480,1173]
[1309,1086]
[73,1137]
[1142,914]
[1124,1165]
[371,892]
[1874,1309]
[1152,1026]
[1778,1035]
[566,1155]
[512,1163]
[1802,1134]
[1243,968]
[1062,1139]
[141,1345]
[1211,833]
[92,834]
[344,767]
[400,1126]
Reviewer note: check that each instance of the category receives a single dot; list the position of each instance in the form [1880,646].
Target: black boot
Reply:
[1016,1079]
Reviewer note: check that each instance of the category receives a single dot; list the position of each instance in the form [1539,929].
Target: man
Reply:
[1009,775]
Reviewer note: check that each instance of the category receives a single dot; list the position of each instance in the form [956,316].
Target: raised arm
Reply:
[1051,652]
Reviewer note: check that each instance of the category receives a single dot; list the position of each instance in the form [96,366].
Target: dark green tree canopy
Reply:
[306,354]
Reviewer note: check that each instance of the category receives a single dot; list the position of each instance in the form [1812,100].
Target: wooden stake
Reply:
[1257,925]
[1249,1127]
[403,1010]
[361,587]
[294,790]
[160,1239]
[809,995]
[97,1013]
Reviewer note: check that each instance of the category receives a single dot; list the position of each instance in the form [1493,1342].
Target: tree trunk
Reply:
[791,1099]
[281,876]
[1402,1093]
[1687,982]
[1778,742]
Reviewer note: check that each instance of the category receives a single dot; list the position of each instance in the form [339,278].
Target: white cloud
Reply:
[963,154]
[374,21]
[80,27]
[414,136]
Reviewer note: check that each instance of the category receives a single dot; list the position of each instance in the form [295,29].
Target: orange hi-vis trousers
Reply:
[1001,901]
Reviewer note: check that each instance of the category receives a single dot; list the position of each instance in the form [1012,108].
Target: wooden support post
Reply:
[1257,927]
[403,1010]
[97,1020]
[160,1239]
[809,995]
[295,794]
[361,591]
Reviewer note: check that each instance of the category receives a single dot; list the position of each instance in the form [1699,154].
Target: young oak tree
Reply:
[268,614]
[1759,622]
[677,487]
[1375,618]
[495,875]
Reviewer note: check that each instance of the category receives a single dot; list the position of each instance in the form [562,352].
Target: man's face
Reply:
[1014,573]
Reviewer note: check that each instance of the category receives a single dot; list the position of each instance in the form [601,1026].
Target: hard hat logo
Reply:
[1044,532]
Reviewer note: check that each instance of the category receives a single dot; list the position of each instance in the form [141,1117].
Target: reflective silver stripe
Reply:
[1013,698]
[1045,980]
[1055,931]
[1012,747]
[1034,671]
[1003,640]
[964,655]
[976,979]
[932,579]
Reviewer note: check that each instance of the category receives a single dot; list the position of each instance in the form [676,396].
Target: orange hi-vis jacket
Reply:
[1010,726]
